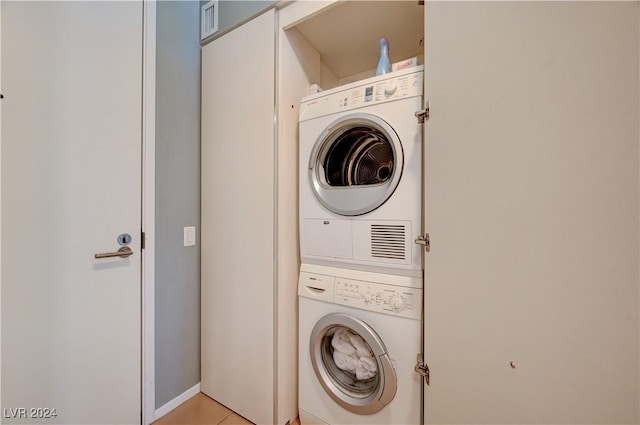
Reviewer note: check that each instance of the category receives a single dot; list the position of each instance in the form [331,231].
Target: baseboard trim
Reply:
[169,406]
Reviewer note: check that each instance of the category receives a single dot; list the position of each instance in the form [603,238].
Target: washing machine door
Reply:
[352,364]
[355,164]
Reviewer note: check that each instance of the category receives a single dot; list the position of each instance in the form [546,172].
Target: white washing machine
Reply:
[361,175]
[359,338]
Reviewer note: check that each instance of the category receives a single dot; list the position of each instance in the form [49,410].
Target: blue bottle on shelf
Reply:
[384,65]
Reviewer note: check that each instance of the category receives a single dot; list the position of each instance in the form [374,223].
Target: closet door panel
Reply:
[531,203]
[238,219]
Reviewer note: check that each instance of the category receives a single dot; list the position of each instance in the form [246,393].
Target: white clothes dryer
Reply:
[361,175]
[359,337]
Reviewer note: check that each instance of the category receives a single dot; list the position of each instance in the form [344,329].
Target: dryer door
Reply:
[352,364]
[355,164]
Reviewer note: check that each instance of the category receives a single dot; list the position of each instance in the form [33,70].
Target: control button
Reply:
[397,304]
[390,88]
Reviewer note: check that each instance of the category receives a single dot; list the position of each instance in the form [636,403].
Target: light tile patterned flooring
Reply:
[202,410]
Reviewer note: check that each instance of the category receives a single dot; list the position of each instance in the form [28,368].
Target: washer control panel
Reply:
[382,298]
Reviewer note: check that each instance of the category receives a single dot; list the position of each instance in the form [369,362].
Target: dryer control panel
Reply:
[384,88]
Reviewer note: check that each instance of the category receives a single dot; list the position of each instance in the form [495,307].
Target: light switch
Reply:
[190,236]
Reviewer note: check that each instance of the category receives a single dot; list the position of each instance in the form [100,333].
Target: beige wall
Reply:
[532,204]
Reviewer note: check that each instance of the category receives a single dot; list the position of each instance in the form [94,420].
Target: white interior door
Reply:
[71,184]
[531,177]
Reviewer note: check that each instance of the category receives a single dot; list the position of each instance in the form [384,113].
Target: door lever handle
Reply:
[123,252]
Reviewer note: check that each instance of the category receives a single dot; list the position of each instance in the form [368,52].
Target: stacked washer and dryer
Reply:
[360,285]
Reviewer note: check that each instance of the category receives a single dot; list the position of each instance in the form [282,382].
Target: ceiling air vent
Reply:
[209,19]
[388,241]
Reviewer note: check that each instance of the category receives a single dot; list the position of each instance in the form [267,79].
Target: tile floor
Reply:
[202,410]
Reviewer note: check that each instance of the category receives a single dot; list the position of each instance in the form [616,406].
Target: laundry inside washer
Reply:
[352,355]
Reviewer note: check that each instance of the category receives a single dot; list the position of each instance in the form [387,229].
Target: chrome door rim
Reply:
[360,199]
[383,393]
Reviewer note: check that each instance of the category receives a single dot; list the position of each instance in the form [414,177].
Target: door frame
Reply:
[148,211]
[147,319]
[0,200]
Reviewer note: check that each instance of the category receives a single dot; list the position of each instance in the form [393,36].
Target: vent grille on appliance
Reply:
[209,19]
[388,241]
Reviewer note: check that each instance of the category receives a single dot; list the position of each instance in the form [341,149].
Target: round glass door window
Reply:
[356,164]
[351,363]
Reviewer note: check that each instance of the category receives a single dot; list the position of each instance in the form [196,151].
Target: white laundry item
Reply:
[341,341]
[346,362]
[361,347]
[366,368]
